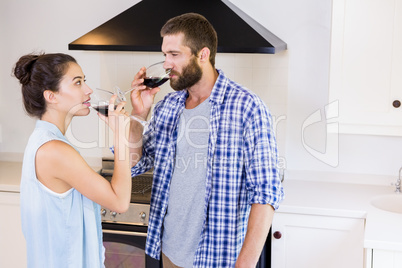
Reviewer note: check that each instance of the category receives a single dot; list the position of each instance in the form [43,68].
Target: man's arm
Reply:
[142,99]
[259,223]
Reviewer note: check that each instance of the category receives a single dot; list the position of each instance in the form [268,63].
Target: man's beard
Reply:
[190,75]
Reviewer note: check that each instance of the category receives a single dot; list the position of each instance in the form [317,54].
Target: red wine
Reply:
[155,81]
[103,109]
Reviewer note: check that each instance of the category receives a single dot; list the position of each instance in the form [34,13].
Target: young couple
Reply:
[217,214]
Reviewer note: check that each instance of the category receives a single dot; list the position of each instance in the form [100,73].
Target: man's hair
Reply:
[197,30]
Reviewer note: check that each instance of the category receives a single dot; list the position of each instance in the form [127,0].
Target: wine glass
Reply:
[155,76]
[100,102]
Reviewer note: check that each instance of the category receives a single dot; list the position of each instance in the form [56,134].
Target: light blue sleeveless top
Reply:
[61,230]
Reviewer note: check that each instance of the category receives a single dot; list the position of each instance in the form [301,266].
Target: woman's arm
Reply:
[60,167]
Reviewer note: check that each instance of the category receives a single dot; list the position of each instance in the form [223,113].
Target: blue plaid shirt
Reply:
[241,169]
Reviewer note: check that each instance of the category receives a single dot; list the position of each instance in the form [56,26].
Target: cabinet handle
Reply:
[277,235]
[396,103]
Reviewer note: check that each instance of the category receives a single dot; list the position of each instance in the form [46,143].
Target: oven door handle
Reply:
[124,233]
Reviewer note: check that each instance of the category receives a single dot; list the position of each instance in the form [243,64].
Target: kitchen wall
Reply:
[293,83]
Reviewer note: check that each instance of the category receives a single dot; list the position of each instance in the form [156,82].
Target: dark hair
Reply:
[37,73]
[198,33]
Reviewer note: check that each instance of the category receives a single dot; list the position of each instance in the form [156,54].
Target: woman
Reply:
[60,194]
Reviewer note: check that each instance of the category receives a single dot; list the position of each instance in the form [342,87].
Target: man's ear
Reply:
[204,54]
[50,96]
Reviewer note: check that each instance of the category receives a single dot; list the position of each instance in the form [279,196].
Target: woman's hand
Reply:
[117,119]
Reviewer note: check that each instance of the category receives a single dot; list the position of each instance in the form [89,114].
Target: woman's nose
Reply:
[88,90]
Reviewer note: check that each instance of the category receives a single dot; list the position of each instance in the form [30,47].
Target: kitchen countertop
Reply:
[10,176]
[383,230]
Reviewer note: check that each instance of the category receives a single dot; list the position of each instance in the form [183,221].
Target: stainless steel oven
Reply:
[124,234]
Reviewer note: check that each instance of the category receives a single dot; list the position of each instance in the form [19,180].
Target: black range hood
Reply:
[138,28]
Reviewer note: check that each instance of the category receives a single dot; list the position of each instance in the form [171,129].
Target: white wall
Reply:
[306,27]
[293,83]
[45,25]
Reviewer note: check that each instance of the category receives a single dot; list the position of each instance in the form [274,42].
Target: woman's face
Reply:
[74,92]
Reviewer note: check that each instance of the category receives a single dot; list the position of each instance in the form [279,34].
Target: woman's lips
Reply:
[87,103]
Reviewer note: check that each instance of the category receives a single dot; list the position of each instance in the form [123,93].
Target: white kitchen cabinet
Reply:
[12,242]
[310,241]
[377,258]
[366,65]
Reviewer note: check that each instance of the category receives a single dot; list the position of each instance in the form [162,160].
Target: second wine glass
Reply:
[155,76]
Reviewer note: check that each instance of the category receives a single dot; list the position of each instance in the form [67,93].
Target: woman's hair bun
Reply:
[23,68]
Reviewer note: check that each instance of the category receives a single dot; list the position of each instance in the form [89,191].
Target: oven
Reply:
[124,234]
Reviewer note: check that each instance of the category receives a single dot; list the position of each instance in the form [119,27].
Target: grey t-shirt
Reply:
[184,218]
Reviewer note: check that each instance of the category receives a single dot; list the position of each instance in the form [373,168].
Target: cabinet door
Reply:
[366,65]
[316,241]
[12,241]
[386,259]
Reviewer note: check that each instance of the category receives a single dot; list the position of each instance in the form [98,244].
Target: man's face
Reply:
[186,71]
[188,77]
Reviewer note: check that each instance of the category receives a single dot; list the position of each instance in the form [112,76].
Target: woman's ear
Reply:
[49,96]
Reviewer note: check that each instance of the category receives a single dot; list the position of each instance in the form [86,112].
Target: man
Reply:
[213,150]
